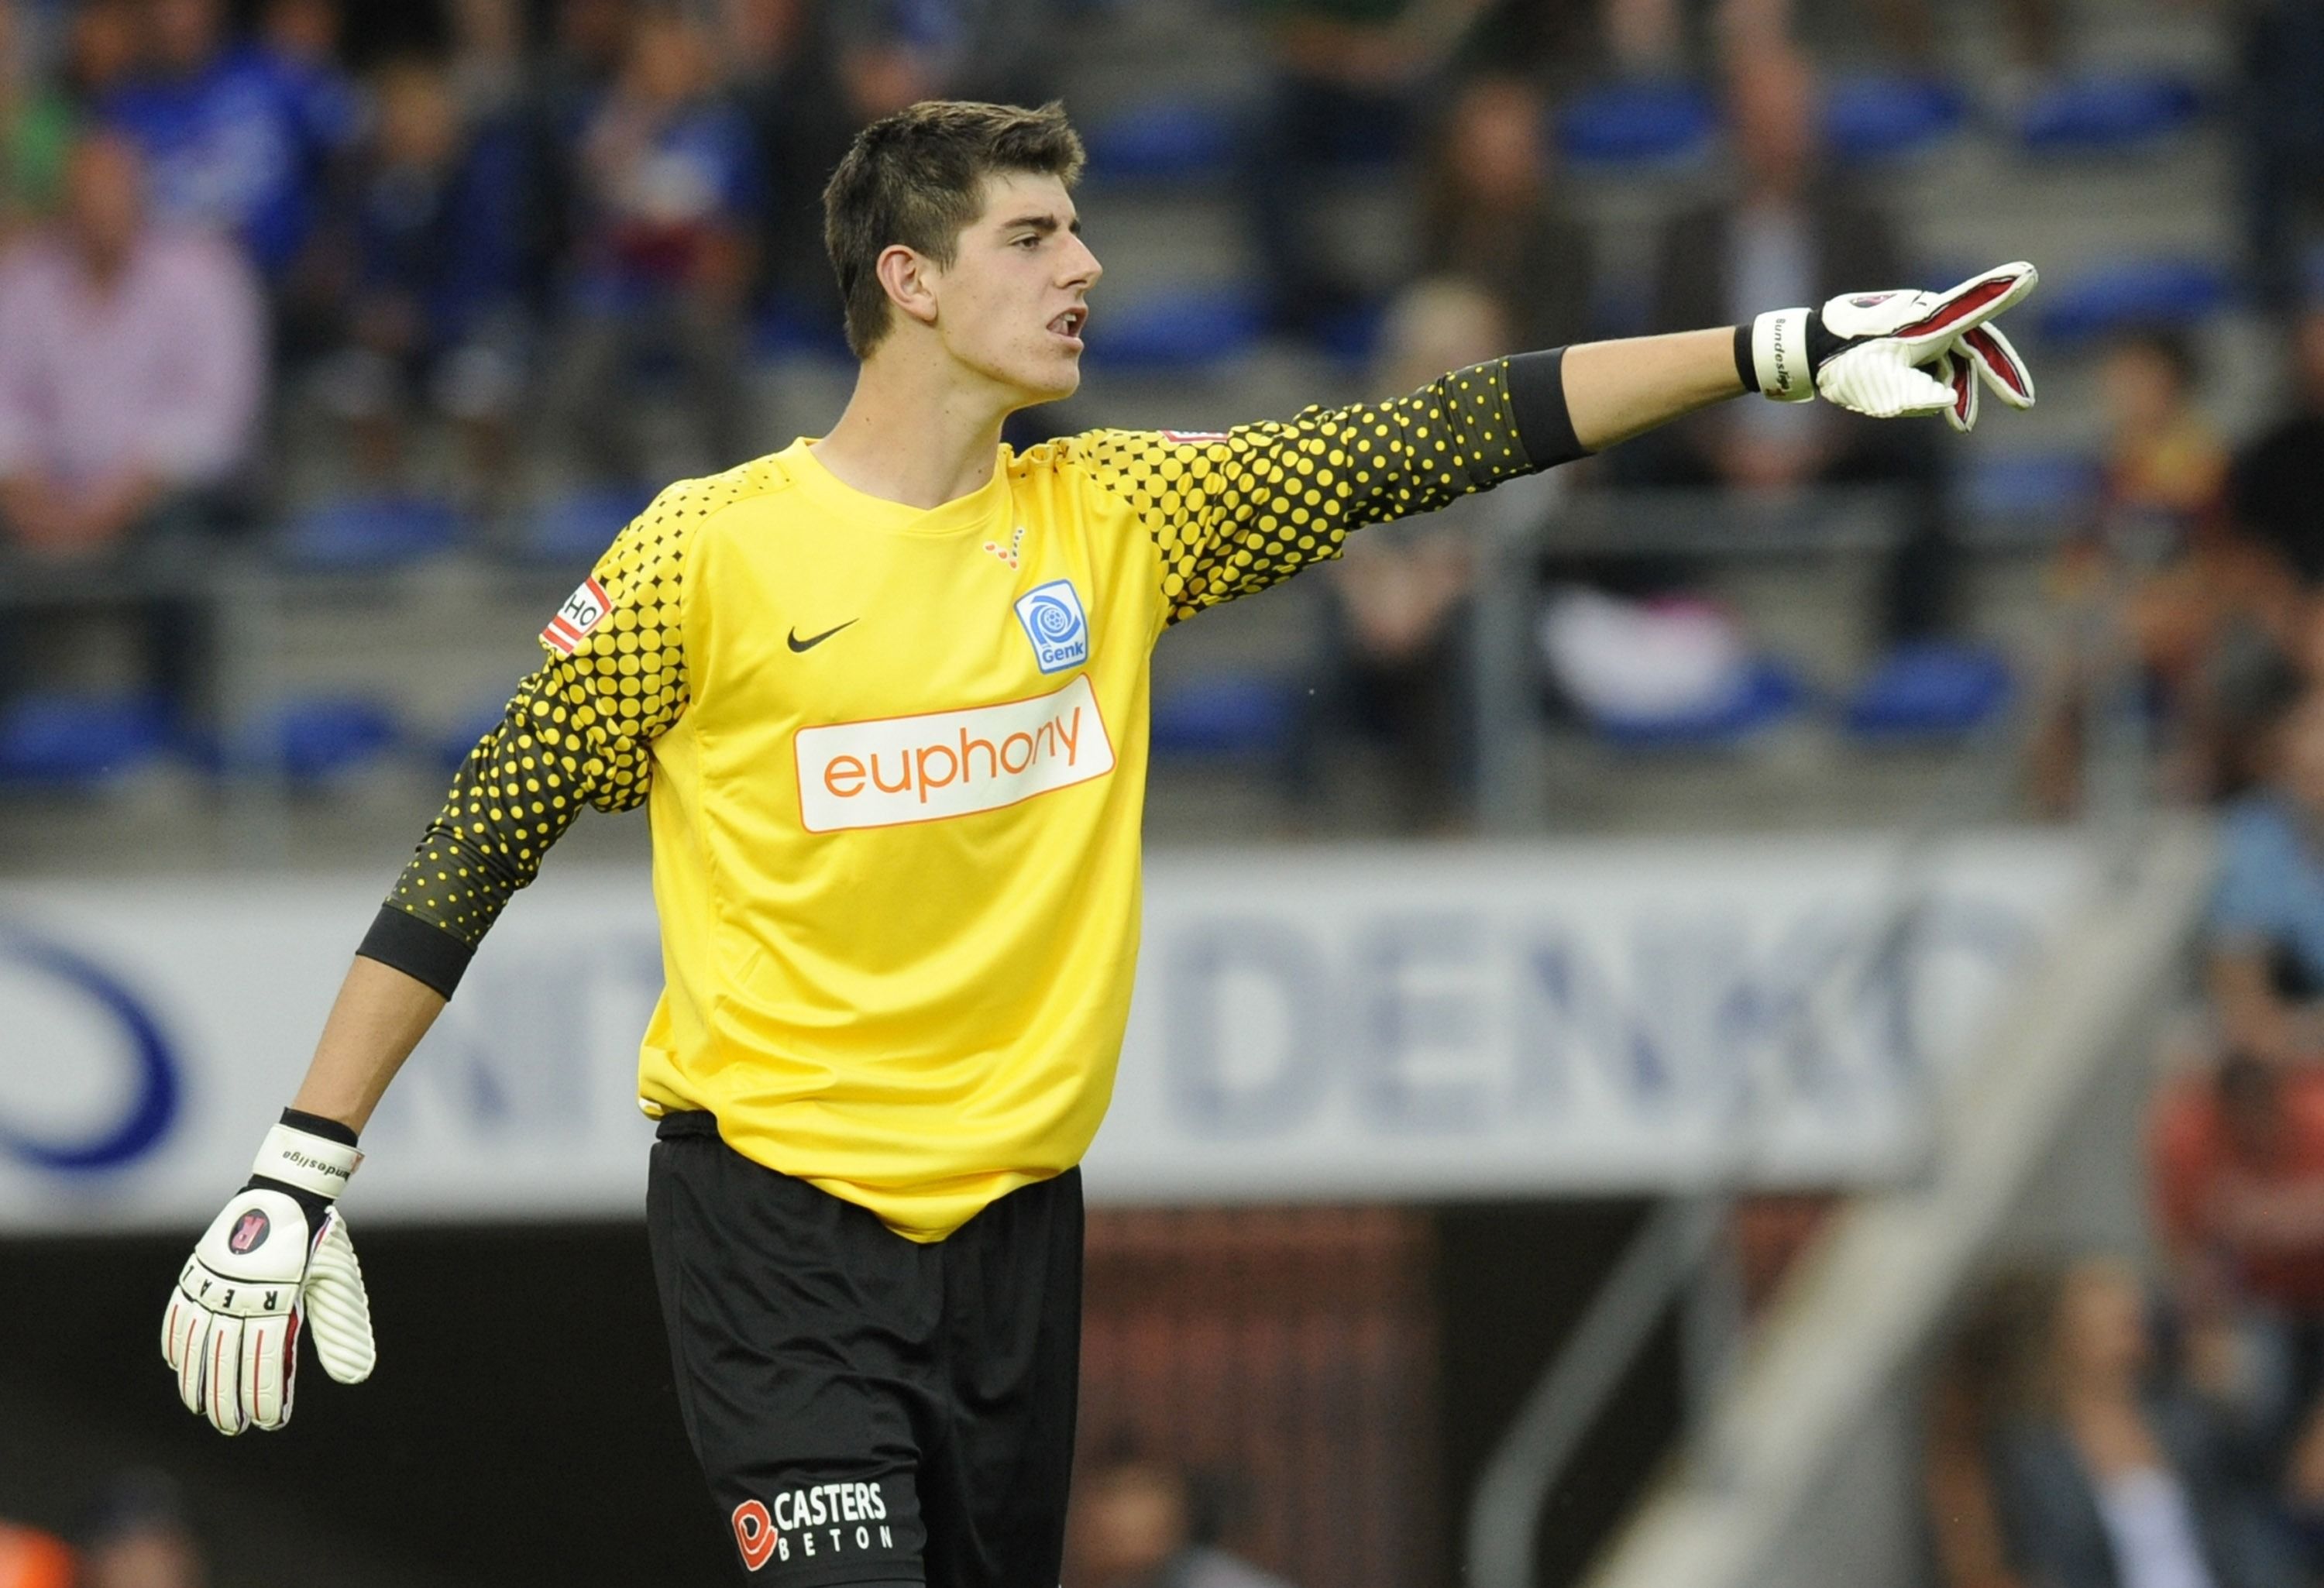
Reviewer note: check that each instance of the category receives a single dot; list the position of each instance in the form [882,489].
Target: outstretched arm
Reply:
[1233,512]
[1617,389]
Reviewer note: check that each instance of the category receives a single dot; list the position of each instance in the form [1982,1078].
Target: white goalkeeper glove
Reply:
[1893,354]
[277,1256]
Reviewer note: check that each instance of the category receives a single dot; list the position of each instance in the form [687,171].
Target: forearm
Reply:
[378,1019]
[1617,389]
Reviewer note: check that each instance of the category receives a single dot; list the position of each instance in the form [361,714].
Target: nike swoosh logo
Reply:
[798,644]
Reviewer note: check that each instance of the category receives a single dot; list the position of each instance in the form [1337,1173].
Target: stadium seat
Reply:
[1873,119]
[1655,123]
[69,741]
[1769,692]
[1931,690]
[2128,294]
[317,739]
[1184,329]
[572,528]
[2101,112]
[1164,141]
[1227,716]
[357,534]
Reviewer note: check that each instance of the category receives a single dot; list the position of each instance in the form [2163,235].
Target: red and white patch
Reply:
[754,1534]
[582,611]
[1194,437]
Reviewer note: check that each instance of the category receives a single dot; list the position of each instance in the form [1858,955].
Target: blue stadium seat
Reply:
[1164,141]
[1188,328]
[453,747]
[2128,294]
[1876,118]
[573,528]
[69,741]
[2100,112]
[1769,692]
[315,739]
[2052,485]
[1653,123]
[357,534]
[1935,689]
[1227,716]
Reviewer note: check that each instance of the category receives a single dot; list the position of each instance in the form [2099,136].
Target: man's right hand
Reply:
[276,1257]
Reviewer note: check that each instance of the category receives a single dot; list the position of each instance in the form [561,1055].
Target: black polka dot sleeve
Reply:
[1233,513]
[580,731]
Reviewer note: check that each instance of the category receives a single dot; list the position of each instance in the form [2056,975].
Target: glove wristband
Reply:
[1780,356]
[311,1163]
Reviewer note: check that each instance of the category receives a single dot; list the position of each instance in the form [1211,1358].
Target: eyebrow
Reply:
[1043,224]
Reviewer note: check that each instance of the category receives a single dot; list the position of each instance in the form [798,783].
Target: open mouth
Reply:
[1069,324]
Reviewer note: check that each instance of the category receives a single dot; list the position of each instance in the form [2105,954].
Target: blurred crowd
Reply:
[479,251]
[2101,1423]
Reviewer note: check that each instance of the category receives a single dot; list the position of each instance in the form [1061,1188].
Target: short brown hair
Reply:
[917,177]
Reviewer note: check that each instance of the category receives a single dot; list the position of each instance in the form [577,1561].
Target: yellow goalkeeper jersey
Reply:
[895,761]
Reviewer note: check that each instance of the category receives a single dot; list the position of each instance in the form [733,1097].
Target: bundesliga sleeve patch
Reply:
[582,611]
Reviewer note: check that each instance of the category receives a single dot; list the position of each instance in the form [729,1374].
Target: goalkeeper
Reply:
[885,695]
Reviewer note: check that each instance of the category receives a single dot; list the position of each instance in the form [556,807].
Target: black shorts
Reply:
[867,1408]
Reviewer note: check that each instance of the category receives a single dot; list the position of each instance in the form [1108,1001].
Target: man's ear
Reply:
[905,275]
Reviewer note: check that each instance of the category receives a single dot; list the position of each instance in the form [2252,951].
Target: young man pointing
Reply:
[885,697]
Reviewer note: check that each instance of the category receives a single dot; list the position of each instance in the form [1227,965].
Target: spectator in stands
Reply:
[591,41]
[2100,1472]
[435,313]
[2160,576]
[237,139]
[783,59]
[669,189]
[2266,930]
[101,51]
[2279,106]
[1345,84]
[2278,493]
[1646,37]
[1790,233]
[1494,214]
[1398,664]
[2237,1175]
[893,52]
[488,64]
[139,1537]
[131,366]
[1793,232]
[132,363]
[1138,1522]
[35,125]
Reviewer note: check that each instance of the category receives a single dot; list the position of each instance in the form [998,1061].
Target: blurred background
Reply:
[1743,1012]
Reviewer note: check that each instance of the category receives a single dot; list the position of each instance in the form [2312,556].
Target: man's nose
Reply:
[1082,267]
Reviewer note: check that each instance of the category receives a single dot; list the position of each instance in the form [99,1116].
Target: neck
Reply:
[920,428]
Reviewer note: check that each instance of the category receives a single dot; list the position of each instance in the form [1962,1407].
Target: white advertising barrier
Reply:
[1327,1022]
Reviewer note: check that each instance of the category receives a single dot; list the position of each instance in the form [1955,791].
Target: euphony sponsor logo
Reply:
[946,763]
